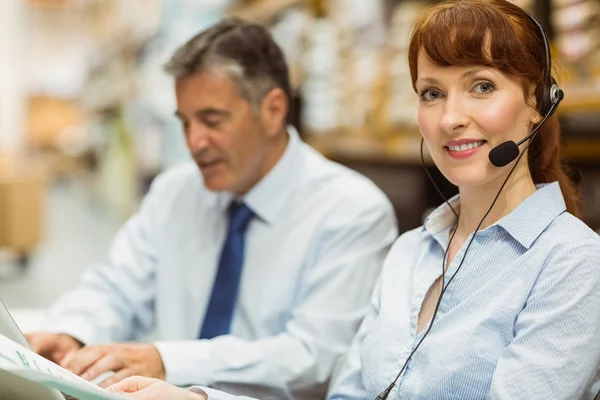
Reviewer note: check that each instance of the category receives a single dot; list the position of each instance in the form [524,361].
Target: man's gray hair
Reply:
[244,50]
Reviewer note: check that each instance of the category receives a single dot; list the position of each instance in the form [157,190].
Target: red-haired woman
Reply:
[521,318]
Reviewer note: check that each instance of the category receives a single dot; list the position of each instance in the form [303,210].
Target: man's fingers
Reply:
[41,344]
[117,377]
[81,360]
[109,362]
[52,346]
[32,340]
[63,359]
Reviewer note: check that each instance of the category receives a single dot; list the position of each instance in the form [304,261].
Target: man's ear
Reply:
[273,111]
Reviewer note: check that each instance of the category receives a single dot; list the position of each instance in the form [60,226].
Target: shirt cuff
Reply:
[186,362]
[213,394]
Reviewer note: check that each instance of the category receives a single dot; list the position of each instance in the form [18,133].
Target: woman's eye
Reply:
[430,95]
[484,87]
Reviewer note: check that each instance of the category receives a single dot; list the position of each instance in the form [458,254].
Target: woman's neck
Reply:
[475,201]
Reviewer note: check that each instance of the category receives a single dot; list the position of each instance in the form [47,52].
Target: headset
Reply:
[500,156]
[507,152]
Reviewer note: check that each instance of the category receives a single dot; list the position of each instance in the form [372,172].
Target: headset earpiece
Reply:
[552,96]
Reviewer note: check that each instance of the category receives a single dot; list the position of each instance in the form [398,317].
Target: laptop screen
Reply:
[10,329]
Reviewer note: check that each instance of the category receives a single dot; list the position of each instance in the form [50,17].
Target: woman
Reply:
[521,317]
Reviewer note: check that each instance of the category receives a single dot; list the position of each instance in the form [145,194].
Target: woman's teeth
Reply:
[466,146]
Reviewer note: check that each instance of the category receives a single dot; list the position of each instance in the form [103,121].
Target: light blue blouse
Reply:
[521,320]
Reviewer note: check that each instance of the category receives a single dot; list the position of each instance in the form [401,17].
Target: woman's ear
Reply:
[535,116]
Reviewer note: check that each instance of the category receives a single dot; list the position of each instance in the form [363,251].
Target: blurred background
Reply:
[86,113]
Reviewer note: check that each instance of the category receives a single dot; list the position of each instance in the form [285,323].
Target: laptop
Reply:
[10,329]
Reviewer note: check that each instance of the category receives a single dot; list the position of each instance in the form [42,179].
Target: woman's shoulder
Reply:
[567,229]
[569,244]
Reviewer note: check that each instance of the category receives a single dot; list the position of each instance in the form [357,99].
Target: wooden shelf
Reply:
[61,5]
[582,150]
[404,150]
[263,10]
[397,150]
[579,101]
[50,4]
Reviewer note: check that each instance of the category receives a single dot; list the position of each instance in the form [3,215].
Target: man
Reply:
[254,274]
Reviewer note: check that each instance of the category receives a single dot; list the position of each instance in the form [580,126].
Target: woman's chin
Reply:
[468,178]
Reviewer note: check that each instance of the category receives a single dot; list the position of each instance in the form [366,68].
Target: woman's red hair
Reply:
[500,35]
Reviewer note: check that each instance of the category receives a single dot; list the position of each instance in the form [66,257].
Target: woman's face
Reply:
[464,112]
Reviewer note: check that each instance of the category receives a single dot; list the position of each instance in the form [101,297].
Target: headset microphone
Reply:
[507,152]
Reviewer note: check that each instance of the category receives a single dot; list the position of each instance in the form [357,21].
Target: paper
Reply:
[26,364]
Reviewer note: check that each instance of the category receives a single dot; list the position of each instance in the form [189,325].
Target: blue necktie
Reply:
[224,294]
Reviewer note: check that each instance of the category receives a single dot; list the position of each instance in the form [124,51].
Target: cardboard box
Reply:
[49,118]
[22,195]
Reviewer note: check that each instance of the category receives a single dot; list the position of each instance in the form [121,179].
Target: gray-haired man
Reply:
[254,273]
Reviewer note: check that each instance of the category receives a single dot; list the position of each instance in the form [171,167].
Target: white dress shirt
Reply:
[313,254]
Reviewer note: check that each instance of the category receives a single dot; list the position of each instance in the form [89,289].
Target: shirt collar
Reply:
[525,223]
[442,217]
[267,197]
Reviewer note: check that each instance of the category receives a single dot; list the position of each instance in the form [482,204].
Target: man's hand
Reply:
[124,359]
[54,347]
[153,389]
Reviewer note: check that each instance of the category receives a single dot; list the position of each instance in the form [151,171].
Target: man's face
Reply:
[222,131]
